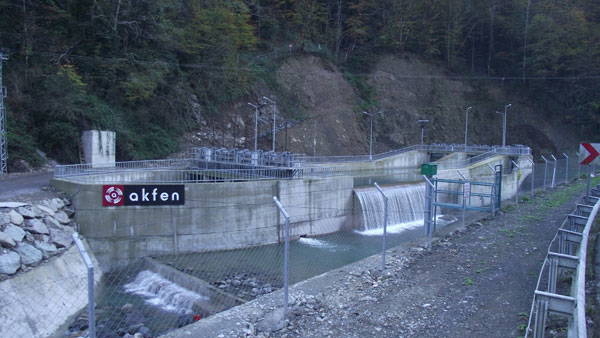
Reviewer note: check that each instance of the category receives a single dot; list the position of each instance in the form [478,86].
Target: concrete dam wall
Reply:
[231,215]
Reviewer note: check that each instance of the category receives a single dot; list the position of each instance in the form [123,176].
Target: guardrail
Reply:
[567,252]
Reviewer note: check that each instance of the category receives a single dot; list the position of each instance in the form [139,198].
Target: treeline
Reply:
[149,69]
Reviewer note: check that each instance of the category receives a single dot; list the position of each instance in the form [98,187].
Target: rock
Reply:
[273,321]
[145,331]
[127,308]
[52,223]
[37,212]
[15,232]
[26,212]
[62,217]
[138,335]
[15,217]
[70,212]
[62,238]
[48,249]
[4,218]
[50,205]
[29,254]
[6,240]
[45,209]
[9,263]
[368,299]
[58,202]
[36,226]
[12,205]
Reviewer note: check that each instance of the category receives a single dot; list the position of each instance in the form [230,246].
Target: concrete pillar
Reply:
[99,147]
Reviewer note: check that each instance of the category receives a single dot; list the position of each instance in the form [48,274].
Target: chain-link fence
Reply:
[187,263]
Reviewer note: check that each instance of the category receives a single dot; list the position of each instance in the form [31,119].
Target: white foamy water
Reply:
[321,244]
[163,293]
[398,228]
[405,207]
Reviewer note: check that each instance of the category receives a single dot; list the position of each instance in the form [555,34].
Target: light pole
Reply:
[504,124]
[422,124]
[274,109]
[255,125]
[371,115]
[467,125]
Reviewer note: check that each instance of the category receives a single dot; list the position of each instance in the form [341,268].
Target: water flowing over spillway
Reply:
[405,208]
[163,293]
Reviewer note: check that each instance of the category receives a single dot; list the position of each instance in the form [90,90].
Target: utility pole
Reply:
[274,108]
[422,124]
[3,142]
[255,125]
[467,125]
[504,124]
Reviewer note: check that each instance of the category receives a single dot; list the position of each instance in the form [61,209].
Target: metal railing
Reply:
[492,150]
[98,168]
[567,252]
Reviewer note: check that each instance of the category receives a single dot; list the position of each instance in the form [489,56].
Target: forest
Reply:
[133,65]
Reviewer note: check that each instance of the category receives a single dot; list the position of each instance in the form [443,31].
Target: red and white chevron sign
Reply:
[588,153]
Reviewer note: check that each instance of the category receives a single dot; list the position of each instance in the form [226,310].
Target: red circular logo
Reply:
[113,195]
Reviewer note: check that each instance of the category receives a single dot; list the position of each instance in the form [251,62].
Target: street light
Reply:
[274,109]
[255,125]
[504,124]
[371,115]
[422,124]
[467,125]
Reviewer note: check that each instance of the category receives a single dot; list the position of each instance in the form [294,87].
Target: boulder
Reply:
[35,226]
[6,240]
[15,217]
[12,204]
[45,209]
[9,262]
[4,218]
[51,222]
[69,211]
[37,212]
[62,217]
[15,232]
[48,249]
[50,205]
[58,203]
[29,254]
[26,212]
[62,238]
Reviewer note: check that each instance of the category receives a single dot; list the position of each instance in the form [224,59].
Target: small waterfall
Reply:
[405,207]
[163,293]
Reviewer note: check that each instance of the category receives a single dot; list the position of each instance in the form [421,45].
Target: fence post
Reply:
[553,171]
[589,181]
[532,178]
[90,278]
[566,168]
[545,170]
[385,221]
[517,190]
[286,246]
[498,169]
[427,211]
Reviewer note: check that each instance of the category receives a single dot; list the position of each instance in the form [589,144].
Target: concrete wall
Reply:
[99,147]
[216,216]
[39,302]
[229,215]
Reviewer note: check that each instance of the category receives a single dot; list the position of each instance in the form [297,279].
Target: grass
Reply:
[468,281]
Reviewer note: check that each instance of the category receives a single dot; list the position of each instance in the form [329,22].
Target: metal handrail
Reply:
[542,300]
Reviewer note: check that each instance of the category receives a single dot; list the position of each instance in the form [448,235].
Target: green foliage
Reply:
[133,66]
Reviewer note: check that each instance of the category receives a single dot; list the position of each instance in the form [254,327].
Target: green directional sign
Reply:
[429,169]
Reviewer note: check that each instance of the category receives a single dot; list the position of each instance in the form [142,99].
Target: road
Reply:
[25,186]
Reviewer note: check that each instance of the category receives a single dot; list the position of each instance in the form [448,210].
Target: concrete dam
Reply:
[232,208]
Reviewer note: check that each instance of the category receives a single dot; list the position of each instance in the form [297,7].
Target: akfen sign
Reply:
[144,195]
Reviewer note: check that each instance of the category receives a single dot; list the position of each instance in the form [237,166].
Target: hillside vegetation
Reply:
[156,70]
